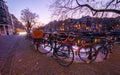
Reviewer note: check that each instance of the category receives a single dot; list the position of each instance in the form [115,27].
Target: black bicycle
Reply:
[105,48]
[62,52]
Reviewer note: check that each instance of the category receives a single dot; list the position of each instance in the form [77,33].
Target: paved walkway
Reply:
[27,61]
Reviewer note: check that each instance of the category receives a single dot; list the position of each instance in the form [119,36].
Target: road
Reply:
[22,59]
[7,49]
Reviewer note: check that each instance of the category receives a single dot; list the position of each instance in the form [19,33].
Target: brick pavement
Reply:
[27,61]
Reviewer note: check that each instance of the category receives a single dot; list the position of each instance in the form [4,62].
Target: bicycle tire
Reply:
[65,55]
[87,53]
[103,52]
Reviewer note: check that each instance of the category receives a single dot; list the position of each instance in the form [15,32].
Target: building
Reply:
[6,27]
[16,24]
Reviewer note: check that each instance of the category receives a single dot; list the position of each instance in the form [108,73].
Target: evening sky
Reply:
[40,7]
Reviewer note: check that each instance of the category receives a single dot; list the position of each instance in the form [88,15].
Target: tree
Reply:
[76,8]
[28,18]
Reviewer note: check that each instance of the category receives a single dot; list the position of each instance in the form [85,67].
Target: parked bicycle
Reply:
[105,48]
[62,52]
[85,50]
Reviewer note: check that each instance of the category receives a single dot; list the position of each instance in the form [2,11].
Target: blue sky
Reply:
[40,7]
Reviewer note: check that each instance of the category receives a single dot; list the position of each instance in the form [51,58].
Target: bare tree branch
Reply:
[72,8]
[28,18]
[98,10]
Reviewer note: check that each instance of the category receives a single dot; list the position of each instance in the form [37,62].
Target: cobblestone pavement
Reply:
[27,61]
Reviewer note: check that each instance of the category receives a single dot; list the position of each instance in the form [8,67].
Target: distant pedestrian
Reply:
[7,32]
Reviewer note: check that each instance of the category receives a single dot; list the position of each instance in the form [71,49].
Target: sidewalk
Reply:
[27,61]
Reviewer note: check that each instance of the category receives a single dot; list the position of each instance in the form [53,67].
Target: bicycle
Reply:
[47,43]
[62,52]
[105,48]
[86,50]
[65,53]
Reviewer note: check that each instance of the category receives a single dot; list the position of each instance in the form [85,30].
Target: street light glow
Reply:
[22,33]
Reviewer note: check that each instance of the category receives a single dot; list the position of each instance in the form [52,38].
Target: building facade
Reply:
[6,27]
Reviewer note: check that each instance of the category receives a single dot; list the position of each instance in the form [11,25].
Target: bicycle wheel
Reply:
[45,47]
[87,53]
[65,55]
[103,52]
